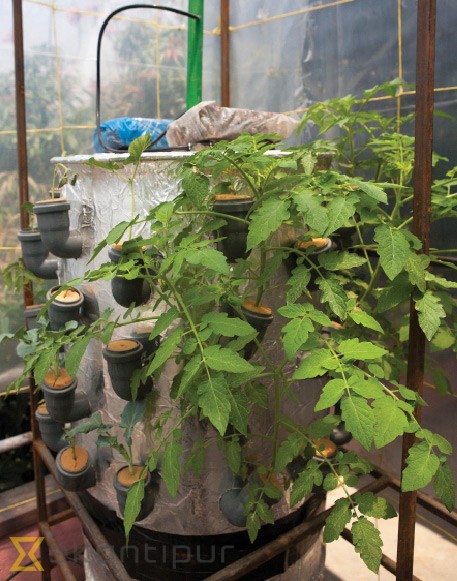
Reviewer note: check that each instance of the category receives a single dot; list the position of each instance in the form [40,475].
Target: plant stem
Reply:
[263,259]
[210,213]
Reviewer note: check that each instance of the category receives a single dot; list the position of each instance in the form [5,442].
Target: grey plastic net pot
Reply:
[60,312]
[234,233]
[36,255]
[151,488]
[150,346]
[54,226]
[260,321]
[340,435]
[52,432]
[232,501]
[64,404]
[125,292]
[124,357]
[75,481]
[31,315]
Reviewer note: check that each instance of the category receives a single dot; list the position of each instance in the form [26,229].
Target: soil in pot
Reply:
[61,381]
[260,317]
[74,469]
[66,306]
[125,292]
[125,478]
[234,233]
[124,357]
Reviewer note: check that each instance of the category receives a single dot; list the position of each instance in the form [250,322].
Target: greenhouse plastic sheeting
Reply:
[119,133]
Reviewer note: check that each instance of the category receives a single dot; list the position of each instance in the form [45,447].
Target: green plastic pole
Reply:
[194,54]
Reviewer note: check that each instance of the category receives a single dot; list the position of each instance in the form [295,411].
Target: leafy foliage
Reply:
[338,317]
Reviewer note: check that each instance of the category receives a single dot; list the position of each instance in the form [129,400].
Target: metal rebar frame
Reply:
[403,569]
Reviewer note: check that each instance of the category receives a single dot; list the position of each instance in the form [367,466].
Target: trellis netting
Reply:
[284,56]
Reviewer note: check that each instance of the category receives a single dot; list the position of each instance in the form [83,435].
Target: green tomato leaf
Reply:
[431,312]
[314,214]
[315,364]
[416,266]
[368,543]
[372,191]
[340,260]
[44,363]
[340,209]
[132,413]
[171,463]
[189,372]
[224,359]
[389,421]
[132,509]
[165,350]
[393,249]
[267,219]
[334,295]
[397,292]
[287,451]
[366,320]
[75,354]
[138,147]
[215,402]
[234,456]
[371,505]
[297,283]
[209,258]
[93,423]
[222,324]
[422,465]
[444,486]
[353,349]
[338,518]
[303,486]
[239,411]
[332,393]
[295,334]
[164,321]
[253,525]
[195,186]
[359,419]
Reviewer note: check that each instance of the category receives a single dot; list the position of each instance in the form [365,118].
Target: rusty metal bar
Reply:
[58,556]
[21,129]
[61,516]
[388,563]
[20,110]
[225,53]
[283,542]
[425,500]
[425,55]
[91,530]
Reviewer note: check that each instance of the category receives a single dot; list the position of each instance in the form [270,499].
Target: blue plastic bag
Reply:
[119,133]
